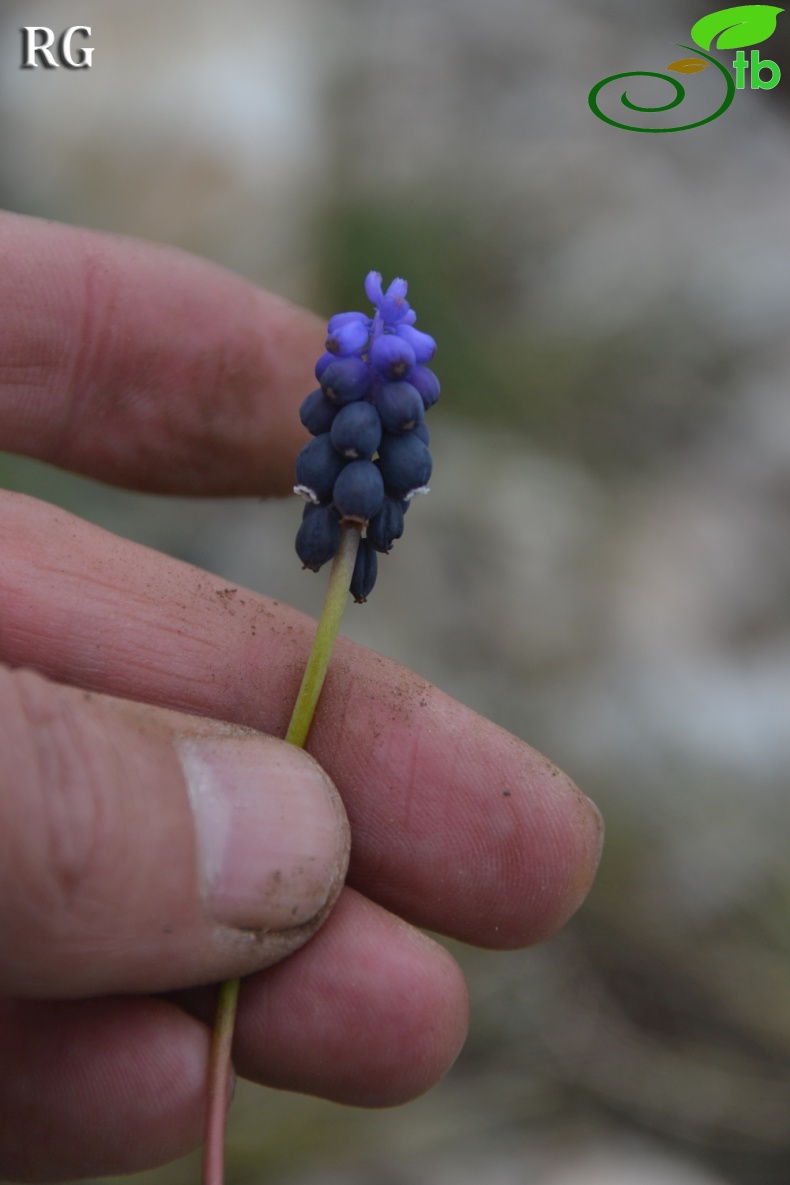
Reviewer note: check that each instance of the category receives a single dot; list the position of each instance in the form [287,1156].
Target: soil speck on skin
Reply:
[506,794]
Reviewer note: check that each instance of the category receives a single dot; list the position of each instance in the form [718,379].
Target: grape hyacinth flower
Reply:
[370,454]
[368,457]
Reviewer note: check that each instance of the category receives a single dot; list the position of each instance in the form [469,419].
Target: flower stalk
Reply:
[218,1093]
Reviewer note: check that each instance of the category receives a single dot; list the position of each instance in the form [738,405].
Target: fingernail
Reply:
[270,830]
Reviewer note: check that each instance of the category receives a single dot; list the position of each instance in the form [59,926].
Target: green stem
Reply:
[328,626]
[298,728]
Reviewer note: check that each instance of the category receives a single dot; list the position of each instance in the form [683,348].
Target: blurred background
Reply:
[603,564]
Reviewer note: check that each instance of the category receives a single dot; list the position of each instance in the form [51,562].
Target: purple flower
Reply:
[370,454]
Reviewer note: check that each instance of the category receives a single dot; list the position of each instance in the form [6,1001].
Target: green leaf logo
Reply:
[748,24]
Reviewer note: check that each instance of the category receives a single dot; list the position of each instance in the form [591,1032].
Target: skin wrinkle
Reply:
[95,318]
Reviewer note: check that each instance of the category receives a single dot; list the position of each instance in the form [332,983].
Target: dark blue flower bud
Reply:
[356,430]
[318,537]
[405,464]
[399,405]
[365,572]
[348,338]
[423,344]
[345,380]
[386,526]
[421,432]
[317,412]
[358,491]
[426,383]
[317,468]
[392,357]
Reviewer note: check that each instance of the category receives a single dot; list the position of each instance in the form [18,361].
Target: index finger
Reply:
[456,824]
[147,367]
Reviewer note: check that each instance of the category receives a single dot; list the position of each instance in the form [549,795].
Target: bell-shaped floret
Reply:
[365,572]
[318,537]
[345,380]
[317,412]
[348,338]
[317,469]
[405,464]
[423,344]
[358,491]
[322,364]
[426,383]
[386,526]
[344,318]
[392,357]
[356,430]
[399,405]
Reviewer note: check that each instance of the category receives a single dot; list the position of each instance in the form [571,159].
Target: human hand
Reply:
[147,847]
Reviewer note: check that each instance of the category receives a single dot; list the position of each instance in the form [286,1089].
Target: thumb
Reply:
[142,849]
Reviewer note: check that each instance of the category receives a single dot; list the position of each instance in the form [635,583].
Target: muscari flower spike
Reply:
[370,454]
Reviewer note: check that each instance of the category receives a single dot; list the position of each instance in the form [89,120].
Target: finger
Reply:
[371,1013]
[134,1071]
[147,367]
[458,826]
[142,849]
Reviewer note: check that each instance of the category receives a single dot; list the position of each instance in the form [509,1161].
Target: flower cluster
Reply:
[369,455]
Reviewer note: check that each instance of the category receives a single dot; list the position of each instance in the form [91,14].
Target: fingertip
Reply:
[371,1013]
